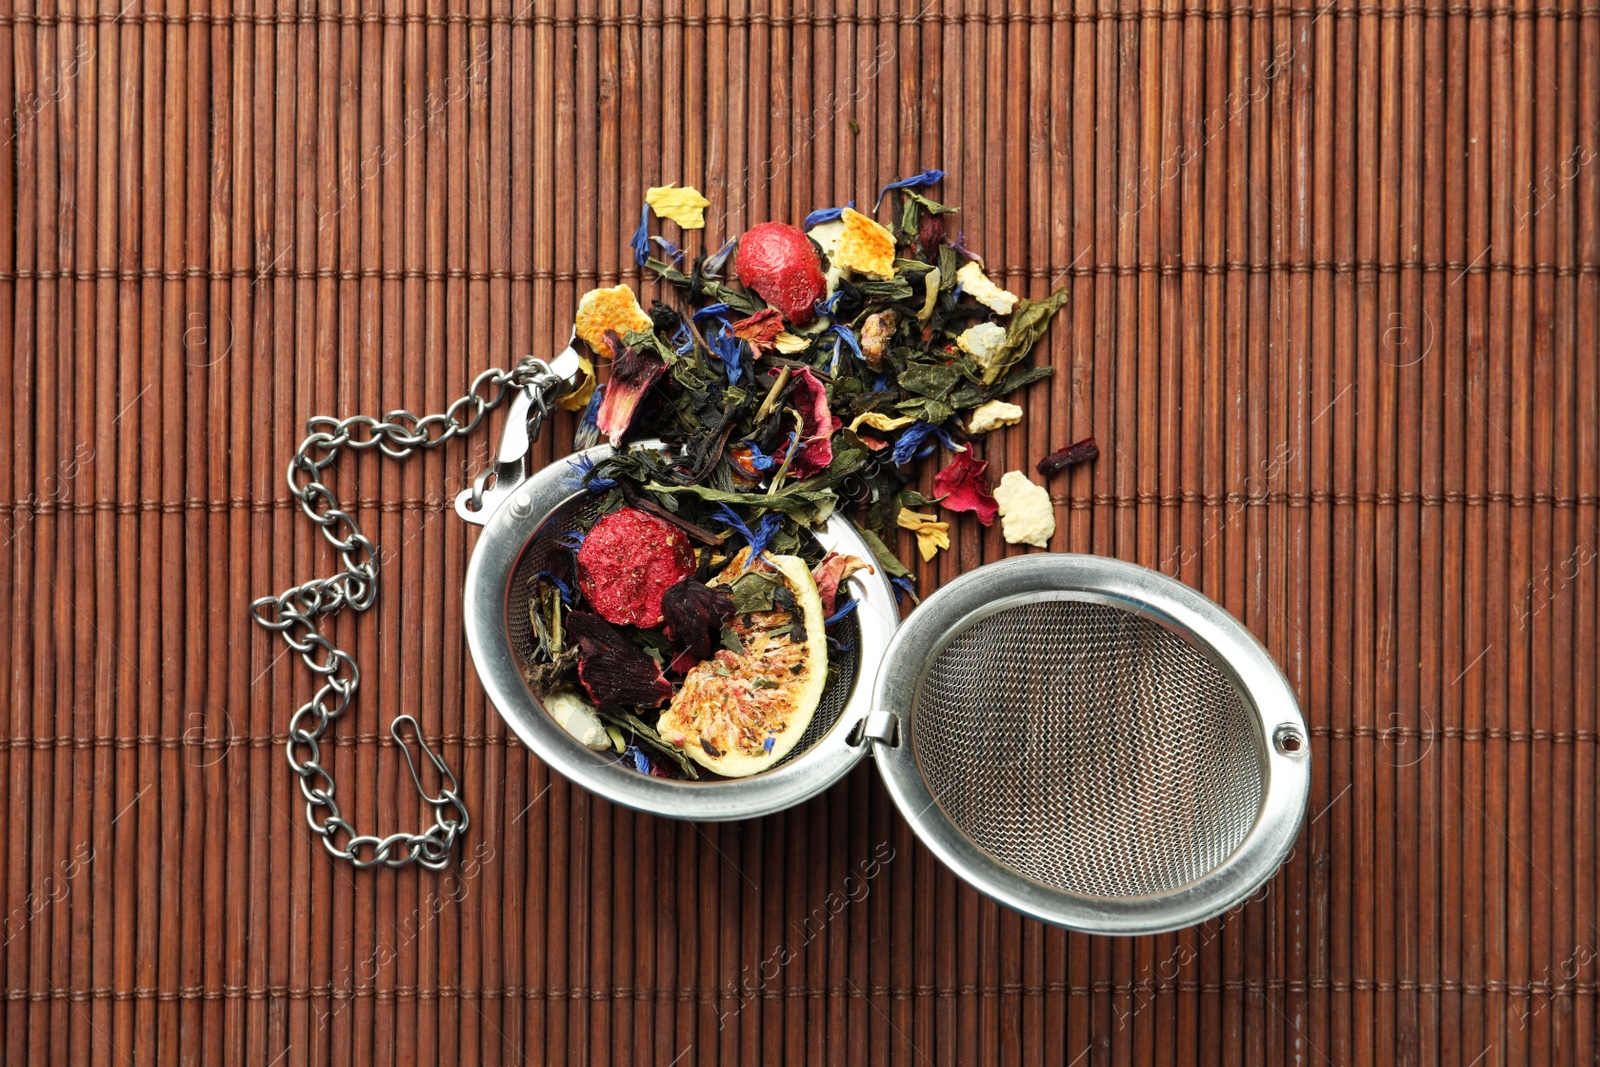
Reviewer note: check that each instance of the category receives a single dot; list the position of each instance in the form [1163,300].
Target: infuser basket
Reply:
[1082,739]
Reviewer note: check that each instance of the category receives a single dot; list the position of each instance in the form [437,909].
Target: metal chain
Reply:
[291,613]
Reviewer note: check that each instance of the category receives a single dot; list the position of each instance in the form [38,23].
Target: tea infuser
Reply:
[1085,740]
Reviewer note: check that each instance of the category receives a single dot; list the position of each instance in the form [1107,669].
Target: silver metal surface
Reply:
[1092,743]
[291,613]
[515,543]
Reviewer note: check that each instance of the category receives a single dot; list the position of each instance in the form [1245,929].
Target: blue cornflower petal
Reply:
[561,587]
[572,539]
[712,267]
[641,237]
[709,310]
[825,214]
[641,762]
[728,348]
[759,459]
[880,384]
[825,307]
[911,441]
[927,177]
[849,337]
[766,746]
[674,253]
[849,606]
[583,466]
[902,586]
[758,538]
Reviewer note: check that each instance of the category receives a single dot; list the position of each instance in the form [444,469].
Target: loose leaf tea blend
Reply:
[800,371]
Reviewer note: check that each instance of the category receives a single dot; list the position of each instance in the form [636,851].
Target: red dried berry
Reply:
[627,561]
[777,261]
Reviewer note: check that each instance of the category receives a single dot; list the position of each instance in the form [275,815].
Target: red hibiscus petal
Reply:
[811,400]
[964,484]
[760,329]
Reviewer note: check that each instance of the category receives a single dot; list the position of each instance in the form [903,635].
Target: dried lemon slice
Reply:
[739,713]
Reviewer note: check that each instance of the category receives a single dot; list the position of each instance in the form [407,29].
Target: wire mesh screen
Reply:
[1088,748]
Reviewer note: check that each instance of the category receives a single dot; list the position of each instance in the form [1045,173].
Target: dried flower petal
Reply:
[811,400]
[695,613]
[1081,452]
[932,534]
[927,177]
[964,486]
[578,399]
[832,572]
[879,421]
[632,375]
[761,329]
[614,671]
[684,206]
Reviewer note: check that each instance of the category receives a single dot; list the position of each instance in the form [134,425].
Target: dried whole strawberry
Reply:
[627,561]
[777,261]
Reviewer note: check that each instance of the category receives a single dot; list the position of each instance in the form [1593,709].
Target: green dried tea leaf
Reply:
[1028,323]
[886,559]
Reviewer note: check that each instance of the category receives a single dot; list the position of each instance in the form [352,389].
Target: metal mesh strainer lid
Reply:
[1092,743]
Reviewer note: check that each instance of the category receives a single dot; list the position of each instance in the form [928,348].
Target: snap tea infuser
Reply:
[1085,740]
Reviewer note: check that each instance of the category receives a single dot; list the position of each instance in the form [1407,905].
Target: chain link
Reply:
[292,612]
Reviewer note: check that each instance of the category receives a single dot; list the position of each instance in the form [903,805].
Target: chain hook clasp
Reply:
[447,797]
[541,383]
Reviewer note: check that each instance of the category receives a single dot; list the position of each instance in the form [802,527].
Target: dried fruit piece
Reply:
[976,284]
[777,262]
[1027,517]
[932,534]
[1079,452]
[600,310]
[965,487]
[612,669]
[684,206]
[992,416]
[876,333]
[985,341]
[739,713]
[577,716]
[865,247]
[628,560]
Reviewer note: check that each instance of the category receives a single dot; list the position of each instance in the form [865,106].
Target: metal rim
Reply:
[1280,731]
[488,579]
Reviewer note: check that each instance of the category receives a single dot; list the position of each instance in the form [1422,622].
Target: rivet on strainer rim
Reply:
[1082,739]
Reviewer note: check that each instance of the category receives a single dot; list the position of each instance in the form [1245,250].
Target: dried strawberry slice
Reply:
[627,561]
[779,263]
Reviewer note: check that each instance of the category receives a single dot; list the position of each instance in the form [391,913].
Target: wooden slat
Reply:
[1335,277]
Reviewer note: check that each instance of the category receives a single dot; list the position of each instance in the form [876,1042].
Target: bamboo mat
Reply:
[1335,284]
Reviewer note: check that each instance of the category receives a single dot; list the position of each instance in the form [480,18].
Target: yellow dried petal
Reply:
[879,421]
[578,399]
[932,535]
[789,344]
[684,206]
[865,247]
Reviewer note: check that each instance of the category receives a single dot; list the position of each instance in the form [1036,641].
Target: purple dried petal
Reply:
[695,614]
[614,670]
[1081,452]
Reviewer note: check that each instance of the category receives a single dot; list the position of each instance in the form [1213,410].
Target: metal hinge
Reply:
[881,726]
